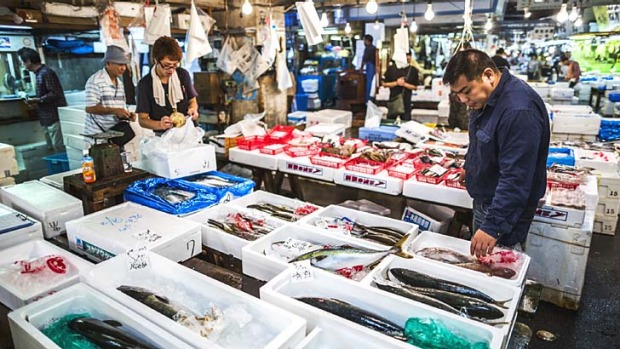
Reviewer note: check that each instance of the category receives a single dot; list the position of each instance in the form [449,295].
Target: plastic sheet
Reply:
[148,192]
[610,130]
[239,186]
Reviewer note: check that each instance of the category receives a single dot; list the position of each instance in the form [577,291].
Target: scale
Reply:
[106,156]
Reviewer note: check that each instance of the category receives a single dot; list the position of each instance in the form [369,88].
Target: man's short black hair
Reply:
[369,37]
[471,63]
[28,54]
[500,51]
[564,57]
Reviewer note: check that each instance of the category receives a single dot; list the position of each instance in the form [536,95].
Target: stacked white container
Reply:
[8,165]
[608,208]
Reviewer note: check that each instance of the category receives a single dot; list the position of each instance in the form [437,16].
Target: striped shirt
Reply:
[101,91]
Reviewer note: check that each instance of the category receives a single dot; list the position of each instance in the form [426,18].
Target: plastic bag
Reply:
[182,137]
[373,115]
[249,126]
[196,40]
[310,22]
[226,187]
[159,25]
[225,62]
[111,31]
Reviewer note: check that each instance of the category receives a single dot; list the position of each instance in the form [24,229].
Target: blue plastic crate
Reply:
[302,102]
[614,97]
[379,134]
[561,156]
[57,163]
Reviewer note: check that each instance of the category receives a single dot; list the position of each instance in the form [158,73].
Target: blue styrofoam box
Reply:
[614,96]
[561,156]
[610,130]
[302,101]
[297,117]
[378,134]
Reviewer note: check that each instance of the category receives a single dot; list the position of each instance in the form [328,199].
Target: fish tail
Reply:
[398,248]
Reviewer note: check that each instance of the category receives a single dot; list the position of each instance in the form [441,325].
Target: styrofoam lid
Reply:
[41,195]
[321,130]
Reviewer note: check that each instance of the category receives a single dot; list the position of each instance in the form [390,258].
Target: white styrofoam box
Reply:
[573,137]
[320,130]
[288,329]
[439,193]
[445,146]
[429,239]
[588,124]
[75,141]
[72,128]
[330,116]
[223,242]
[560,215]
[74,154]
[604,161]
[7,181]
[608,186]
[559,260]
[559,137]
[26,323]
[57,180]
[50,206]
[14,297]
[181,20]
[127,9]
[64,10]
[496,290]
[8,164]
[261,196]
[425,116]
[327,337]
[28,155]
[608,208]
[360,217]
[262,267]
[605,225]
[561,93]
[381,182]
[22,232]
[429,217]
[590,190]
[282,291]
[298,116]
[253,158]
[182,163]
[443,109]
[570,109]
[104,234]
[303,167]
[543,91]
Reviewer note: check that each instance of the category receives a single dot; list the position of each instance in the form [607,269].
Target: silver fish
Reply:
[445,255]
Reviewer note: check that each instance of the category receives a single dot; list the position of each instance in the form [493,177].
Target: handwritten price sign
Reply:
[138,259]
[301,272]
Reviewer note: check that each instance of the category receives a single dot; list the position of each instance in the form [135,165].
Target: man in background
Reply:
[500,59]
[50,96]
[573,71]
[369,62]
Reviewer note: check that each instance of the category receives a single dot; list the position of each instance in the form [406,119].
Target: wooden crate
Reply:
[103,193]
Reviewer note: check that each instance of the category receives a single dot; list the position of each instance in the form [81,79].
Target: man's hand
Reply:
[32,101]
[400,81]
[193,113]
[123,114]
[482,244]
[165,123]
[462,177]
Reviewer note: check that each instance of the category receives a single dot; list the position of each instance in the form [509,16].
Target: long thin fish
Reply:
[469,305]
[404,291]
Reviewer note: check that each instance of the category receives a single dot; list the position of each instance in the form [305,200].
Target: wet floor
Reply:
[597,323]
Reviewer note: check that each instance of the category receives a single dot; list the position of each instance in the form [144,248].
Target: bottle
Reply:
[88,168]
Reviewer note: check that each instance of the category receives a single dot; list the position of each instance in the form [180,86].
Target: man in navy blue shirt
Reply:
[505,166]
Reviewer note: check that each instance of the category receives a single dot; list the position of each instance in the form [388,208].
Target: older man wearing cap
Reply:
[105,95]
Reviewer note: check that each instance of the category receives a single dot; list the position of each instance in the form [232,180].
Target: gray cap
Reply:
[115,54]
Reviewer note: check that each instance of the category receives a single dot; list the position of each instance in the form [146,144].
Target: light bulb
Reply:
[324,20]
[572,16]
[563,14]
[413,27]
[376,25]
[489,25]
[429,14]
[347,28]
[578,21]
[372,7]
[527,13]
[246,9]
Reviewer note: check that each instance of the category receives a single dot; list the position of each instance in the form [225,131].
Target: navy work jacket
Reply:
[506,160]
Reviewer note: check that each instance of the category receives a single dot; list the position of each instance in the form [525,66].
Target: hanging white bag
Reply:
[159,25]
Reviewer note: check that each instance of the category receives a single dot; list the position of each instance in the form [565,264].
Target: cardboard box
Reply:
[7,181]
[105,234]
[182,163]
[30,15]
[51,206]
[8,163]
[22,230]
[429,217]
[428,239]
[15,297]
[26,322]
[287,329]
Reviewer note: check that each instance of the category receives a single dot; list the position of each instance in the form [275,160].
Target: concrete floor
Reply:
[597,323]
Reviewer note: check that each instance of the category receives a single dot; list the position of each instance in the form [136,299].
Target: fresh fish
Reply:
[502,272]
[214,181]
[233,229]
[173,195]
[415,279]
[445,255]
[407,292]
[378,237]
[158,303]
[471,306]
[379,230]
[357,315]
[107,334]
[336,258]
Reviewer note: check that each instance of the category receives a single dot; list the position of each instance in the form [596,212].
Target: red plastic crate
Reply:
[565,185]
[364,166]
[403,171]
[294,151]
[453,183]
[273,149]
[427,179]
[280,134]
[328,160]
[251,142]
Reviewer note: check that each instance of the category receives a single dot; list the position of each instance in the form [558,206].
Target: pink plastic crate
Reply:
[294,151]
[364,166]
[273,149]
[251,142]
[328,160]
[280,134]
[403,171]
[453,183]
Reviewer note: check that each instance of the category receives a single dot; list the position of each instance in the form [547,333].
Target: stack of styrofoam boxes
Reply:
[559,252]
[330,116]
[560,93]
[30,161]
[72,125]
[8,165]
[574,123]
[52,207]
[542,89]
[425,116]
